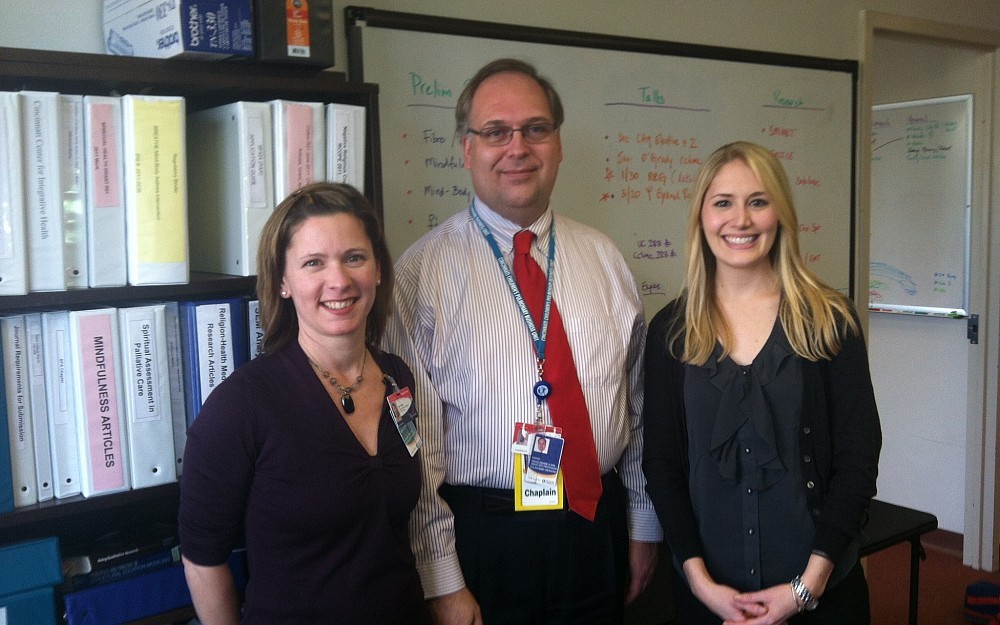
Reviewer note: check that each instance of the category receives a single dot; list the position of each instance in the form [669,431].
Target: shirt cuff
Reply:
[441,577]
[644,526]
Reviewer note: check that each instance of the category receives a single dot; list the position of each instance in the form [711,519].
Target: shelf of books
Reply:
[132,196]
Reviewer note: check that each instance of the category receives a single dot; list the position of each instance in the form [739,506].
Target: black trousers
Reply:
[546,567]
[844,604]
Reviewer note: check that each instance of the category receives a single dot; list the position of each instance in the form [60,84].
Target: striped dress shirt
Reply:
[456,324]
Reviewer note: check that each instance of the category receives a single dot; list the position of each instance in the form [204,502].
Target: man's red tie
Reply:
[581,469]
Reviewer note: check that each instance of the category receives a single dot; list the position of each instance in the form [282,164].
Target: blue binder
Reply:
[29,571]
[133,598]
[29,565]
[37,607]
[196,355]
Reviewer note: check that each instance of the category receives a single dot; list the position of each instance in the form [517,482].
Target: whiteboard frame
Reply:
[934,311]
[358,18]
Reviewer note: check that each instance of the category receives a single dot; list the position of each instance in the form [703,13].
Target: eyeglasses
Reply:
[502,135]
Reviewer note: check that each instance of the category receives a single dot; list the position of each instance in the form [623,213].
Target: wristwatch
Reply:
[803,598]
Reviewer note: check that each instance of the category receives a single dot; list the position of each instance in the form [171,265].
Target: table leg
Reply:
[917,554]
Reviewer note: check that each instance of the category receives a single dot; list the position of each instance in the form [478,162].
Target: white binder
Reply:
[61,404]
[231,172]
[13,238]
[146,390]
[100,409]
[105,206]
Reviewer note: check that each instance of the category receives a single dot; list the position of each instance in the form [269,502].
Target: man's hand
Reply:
[642,558]
[457,608]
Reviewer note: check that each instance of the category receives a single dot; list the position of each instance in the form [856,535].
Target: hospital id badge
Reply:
[544,460]
[529,497]
[524,435]
[404,414]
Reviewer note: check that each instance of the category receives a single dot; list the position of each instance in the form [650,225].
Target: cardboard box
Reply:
[294,31]
[209,29]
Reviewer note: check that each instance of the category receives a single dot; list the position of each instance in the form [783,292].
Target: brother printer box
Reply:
[207,29]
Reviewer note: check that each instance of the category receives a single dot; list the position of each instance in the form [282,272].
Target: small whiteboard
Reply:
[921,206]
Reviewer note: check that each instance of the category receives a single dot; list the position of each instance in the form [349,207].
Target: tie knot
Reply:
[522,242]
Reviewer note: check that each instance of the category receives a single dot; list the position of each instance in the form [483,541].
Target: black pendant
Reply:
[347,403]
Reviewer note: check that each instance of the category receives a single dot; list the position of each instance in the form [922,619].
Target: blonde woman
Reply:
[762,435]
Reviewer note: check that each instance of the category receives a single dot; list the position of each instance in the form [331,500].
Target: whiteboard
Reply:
[921,206]
[641,116]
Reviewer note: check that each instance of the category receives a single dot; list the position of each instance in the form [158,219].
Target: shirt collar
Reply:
[504,230]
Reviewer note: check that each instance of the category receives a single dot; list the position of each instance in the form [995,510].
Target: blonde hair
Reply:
[812,314]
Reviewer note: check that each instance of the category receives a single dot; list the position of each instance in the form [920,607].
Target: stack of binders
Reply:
[29,573]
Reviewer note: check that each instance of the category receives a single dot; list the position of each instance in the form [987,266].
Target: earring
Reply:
[284,293]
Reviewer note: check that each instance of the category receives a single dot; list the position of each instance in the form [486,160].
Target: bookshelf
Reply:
[203,84]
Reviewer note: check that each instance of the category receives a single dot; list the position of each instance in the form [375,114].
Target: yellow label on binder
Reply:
[160,180]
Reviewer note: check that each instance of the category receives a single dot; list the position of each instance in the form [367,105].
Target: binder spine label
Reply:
[300,149]
[214,326]
[144,368]
[14,340]
[256,331]
[104,156]
[161,189]
[257,163]
[9,167]
[63,412]
[38,122]
[102,402]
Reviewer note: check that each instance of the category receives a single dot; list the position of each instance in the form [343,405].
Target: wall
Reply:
[923,436]
[807,27]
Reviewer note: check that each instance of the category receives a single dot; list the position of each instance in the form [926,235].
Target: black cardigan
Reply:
[840,439]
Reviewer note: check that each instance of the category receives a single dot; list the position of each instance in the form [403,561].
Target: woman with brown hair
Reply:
[297,450]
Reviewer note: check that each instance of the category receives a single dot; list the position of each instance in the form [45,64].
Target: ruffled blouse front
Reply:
[745,474]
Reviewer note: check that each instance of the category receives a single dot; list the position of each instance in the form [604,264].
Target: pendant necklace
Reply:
[345,399]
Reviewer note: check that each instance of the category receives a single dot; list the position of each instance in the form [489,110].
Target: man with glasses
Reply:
[516,319]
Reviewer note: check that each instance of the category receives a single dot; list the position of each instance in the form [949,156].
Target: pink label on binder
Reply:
[300,136]
[104,156]
[100,393]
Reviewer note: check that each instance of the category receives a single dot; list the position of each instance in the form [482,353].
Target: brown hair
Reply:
[277,314]
[463,108]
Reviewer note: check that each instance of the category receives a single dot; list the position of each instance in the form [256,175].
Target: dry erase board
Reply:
[921,206]
[641,116]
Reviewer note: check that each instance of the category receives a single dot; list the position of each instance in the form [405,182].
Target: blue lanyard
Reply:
[537,338]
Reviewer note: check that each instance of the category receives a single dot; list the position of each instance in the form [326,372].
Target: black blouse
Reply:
[838,436]
[745,480]
[326,524]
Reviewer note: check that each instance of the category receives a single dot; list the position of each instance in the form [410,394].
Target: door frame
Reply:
[982,463]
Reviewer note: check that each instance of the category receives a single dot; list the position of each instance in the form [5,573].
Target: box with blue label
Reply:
[208,29]
[29,572]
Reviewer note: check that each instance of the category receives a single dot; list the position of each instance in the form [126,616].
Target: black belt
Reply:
[501,501]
